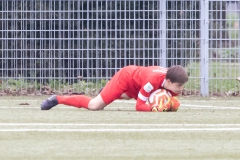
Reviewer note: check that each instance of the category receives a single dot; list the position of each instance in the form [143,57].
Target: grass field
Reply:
[203,128]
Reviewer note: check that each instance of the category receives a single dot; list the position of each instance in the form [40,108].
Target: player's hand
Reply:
[164,105]
[167,105]
[174,104]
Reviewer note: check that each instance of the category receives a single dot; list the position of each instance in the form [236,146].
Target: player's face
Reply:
[174,87]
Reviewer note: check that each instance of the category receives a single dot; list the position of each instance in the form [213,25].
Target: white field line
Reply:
[218,100]
[121,130]
[190,105]
[183,106]
[103,124]
[197,127]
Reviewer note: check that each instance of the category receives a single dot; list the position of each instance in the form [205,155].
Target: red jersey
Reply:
[137,82]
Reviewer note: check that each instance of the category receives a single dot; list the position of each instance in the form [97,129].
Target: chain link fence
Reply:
[71,47]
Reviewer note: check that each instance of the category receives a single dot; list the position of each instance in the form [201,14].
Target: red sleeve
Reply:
[147,88]
[143,107]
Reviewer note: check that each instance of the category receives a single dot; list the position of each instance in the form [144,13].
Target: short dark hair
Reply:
[177,74]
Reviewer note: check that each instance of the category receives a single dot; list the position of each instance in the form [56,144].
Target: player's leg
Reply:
[113,90]
[123,96]
[75,101]
[116,87]
[79,101]
[96,103]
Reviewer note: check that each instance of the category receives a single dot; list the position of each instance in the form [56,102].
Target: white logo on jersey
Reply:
[162,70]
[148,87]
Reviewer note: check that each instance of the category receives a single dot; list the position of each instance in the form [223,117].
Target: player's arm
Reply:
[143,96]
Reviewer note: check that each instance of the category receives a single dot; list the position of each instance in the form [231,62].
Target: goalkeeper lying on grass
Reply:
[129,82]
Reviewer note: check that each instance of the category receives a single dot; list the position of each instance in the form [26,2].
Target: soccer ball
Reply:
[158,100]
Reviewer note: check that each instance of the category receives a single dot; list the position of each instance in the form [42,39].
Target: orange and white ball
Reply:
[159,99]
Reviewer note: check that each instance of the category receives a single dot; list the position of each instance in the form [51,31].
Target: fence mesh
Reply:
[69,46]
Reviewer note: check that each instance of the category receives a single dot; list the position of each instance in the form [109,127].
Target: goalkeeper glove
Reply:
[174,104]
[164,105]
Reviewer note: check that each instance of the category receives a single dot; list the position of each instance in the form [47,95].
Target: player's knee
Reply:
[95,107]
[96,103]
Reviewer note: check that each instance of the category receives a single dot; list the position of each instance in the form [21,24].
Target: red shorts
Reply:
[118,85]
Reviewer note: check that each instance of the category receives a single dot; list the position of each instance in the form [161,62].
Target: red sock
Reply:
[76,101]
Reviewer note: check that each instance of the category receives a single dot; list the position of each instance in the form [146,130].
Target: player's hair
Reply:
[177,74]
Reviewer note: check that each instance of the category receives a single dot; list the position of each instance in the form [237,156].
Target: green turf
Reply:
[204,144]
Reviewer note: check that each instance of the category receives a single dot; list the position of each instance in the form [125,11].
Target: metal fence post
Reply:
[162,31]
[238,54]
[204,48]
